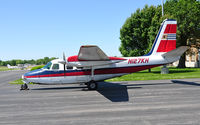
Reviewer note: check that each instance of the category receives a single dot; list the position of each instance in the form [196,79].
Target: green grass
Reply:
[37,67]
[18,81]
[5,68]
[174,73]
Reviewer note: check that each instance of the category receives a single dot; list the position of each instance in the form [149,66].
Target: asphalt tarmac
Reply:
[155,102]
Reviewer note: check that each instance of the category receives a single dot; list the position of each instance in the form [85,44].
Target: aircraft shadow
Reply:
[185,82]
[118,92]
[114,92]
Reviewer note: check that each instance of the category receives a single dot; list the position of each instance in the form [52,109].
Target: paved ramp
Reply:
[160,102]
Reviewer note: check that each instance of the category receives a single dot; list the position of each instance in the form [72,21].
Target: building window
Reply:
[193,57]
[187,58]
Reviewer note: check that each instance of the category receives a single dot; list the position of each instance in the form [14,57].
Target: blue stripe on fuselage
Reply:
[48,72]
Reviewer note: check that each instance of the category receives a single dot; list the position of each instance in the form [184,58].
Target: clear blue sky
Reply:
[33,29]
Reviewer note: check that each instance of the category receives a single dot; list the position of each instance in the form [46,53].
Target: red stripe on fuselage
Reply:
[98,71]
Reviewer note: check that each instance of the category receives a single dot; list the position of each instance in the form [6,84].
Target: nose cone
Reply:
[22,76]
[32,73]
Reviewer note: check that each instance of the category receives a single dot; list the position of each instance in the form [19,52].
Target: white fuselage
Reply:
[84,75]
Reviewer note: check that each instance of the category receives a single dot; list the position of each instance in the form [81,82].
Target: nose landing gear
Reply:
[24,87]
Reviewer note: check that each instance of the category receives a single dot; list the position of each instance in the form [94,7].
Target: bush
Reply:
[37,67]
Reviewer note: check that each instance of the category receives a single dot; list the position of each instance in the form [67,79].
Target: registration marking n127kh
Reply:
[138,60]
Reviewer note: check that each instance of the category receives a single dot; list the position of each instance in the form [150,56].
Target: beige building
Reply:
[192,55]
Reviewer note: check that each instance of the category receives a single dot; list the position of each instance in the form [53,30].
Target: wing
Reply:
[92,53]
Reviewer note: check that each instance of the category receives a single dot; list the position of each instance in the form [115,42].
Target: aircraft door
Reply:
[56,74]
[84,77]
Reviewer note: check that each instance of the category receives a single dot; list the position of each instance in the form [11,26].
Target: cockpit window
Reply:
[55,66]
[47,66]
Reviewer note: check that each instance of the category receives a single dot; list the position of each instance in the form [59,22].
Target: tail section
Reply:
[166,38]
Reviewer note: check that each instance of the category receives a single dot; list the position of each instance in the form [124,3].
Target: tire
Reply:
[92,85]
[24,87]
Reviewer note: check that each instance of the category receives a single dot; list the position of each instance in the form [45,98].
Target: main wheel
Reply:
[92,85]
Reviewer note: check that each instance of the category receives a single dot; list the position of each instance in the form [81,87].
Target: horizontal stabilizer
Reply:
[175,54]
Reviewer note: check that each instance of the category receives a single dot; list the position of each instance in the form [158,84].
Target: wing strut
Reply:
[64,58]
[92,73]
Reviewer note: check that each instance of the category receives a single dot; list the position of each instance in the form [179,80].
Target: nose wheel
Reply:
[92,85]
[24,87]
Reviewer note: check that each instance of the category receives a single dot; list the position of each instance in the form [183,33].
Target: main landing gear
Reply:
[92,85]
[24,87]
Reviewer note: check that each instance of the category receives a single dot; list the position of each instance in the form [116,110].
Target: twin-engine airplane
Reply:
[92,64]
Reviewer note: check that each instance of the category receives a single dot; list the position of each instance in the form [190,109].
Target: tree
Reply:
[14,62]
[46,60]
[139,31]
[31,61]
[3,63]
[52,58]
[186,12]
[39,61]
[19,61]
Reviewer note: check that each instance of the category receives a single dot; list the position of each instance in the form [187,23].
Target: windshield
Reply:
[47,66]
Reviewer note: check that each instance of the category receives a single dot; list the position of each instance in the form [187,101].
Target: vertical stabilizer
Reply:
[166,38]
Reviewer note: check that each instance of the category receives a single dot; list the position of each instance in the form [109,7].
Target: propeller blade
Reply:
[64,57]
[65,62]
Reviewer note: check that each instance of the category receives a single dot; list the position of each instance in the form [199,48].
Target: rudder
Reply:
[166,38]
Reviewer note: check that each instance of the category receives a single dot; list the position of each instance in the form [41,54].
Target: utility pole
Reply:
[164,69]
[162,7]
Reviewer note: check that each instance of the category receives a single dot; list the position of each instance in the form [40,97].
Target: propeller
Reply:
[65,62]
[64,57]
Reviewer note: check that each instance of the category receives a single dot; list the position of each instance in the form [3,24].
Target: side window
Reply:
[69,67]
[80,68]
[55,66]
